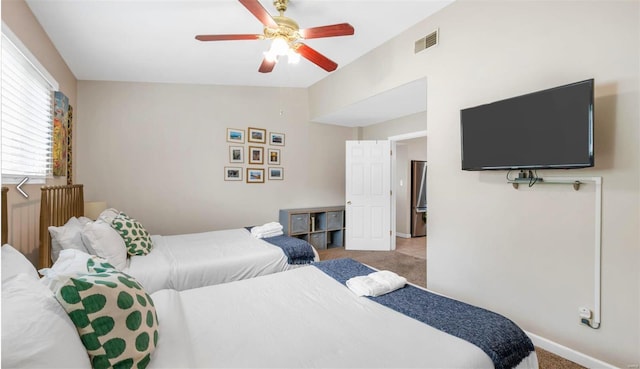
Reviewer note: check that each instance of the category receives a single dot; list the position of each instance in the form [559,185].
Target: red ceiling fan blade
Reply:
[259,12]
[342,29]
[228,37]
[316,58]
[267,65]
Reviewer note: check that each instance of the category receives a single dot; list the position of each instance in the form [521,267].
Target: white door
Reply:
[368,195]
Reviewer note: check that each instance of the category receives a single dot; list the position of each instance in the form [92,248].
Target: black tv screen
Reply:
[548,129]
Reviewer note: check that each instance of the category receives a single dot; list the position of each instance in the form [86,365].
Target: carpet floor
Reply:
[415,270]
[412,268]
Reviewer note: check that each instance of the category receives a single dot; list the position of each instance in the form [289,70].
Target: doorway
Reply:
[411,146]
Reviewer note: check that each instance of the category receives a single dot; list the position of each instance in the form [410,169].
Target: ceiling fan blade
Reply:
[228,37]
[259,12]
[267,65]
[342,29]
[316,58]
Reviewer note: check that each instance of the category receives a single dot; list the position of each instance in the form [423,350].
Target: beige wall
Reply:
[157,152]
[409,124]
[526,253]
[23,213]
[402,187]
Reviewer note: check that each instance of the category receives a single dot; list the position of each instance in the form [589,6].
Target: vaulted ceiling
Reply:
[154,40]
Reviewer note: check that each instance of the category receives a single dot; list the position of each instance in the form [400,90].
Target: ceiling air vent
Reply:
[427,41]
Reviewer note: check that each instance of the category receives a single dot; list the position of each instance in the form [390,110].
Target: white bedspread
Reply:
[300,318]
[201,259]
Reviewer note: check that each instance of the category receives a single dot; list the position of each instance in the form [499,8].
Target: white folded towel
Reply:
[267,230]
[376,284]
[269,234]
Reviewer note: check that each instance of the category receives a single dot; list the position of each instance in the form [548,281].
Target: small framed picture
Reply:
[276,173]
[256,155]
[273,156]
[255,175]
[235,135]
[236,154]
[276,139]
[257,135]
[232,174]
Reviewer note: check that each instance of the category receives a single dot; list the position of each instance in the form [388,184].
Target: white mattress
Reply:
[194,260]
[300,318]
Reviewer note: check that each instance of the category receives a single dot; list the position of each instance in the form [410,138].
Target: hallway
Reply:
[416,246]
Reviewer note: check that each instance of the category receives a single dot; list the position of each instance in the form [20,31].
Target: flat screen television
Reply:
[546,129]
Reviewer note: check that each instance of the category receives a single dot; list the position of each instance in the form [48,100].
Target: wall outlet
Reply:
[584,312]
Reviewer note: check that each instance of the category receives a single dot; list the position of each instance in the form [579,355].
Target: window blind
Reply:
[26,117]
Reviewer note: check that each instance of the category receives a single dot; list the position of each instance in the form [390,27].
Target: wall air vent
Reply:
[426,42]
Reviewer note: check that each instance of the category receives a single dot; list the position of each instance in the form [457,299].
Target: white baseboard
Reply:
[568,353]
[403,235]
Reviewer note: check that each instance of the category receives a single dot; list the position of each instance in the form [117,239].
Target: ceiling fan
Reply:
[286,35]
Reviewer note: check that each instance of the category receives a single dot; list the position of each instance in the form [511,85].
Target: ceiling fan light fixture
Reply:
[279,46]
[270,57]
[293,57]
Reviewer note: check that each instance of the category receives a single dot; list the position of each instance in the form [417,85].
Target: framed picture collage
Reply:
[254,155]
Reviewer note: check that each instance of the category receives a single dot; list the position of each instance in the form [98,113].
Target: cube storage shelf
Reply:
[322,227]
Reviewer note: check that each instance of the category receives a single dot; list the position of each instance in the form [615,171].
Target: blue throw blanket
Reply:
[298,251]
[504,342]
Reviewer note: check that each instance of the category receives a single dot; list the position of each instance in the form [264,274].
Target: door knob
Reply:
[348,202]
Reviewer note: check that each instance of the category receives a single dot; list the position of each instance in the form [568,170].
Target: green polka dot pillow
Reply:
[114,316]
[136,238]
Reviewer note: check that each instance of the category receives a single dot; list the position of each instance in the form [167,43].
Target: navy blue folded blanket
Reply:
[298,251]
[505,343]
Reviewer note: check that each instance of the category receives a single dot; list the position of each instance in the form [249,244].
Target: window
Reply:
[27,93]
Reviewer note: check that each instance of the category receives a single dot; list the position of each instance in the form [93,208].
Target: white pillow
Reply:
[69,262]
[108,215]
[84,220]
[106,243]
[13,263]
[67,236]
[36,330]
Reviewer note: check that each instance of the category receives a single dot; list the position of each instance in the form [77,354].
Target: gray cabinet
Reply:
[322,227]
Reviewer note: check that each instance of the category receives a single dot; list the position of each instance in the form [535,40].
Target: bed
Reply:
[177,261]
[305,317]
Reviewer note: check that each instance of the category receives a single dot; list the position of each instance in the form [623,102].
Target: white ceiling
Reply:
[401,101]
[153,40]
